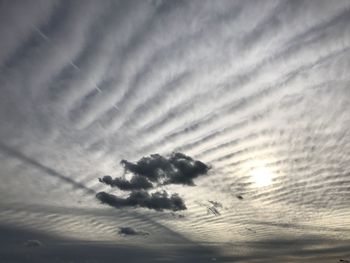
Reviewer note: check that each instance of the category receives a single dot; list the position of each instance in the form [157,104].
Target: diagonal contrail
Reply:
[17,154]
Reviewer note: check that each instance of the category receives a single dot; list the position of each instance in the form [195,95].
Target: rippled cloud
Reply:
[234,84]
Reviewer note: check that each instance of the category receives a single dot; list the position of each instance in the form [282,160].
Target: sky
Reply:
[174,131]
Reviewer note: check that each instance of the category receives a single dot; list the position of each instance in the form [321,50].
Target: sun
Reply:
[261,176]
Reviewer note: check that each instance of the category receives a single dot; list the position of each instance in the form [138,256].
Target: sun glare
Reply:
[261,176]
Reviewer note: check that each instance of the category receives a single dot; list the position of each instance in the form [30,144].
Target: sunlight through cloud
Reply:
[261,176]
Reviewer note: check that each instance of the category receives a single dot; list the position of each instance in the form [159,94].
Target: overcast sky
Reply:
[255,96]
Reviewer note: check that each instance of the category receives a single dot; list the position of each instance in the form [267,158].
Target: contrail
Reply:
[75,66]
[41,33]
[48,170]
[97,88]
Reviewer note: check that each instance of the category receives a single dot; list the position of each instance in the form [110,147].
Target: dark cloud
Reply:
[178,168]
[33,243]
[158,201]
[149,172]
[136,183]
[213,210]
[61,249]
[216,204]
[129,231]
[214,207]
[240,197]
[177,215]
[251,230]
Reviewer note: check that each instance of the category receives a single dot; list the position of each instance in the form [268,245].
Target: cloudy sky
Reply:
[231,118]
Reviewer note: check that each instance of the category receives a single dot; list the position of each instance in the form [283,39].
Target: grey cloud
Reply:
[251,230]
[216,204]
[177,215]
[33,243]
[176,169]
[158,201]
[213,210]
[151,171]
[136,183]
[240,197]
[214,207]
[61,249]
[142,90]
[129,231]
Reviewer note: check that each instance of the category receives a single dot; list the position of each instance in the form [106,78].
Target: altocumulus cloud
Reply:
[150,172]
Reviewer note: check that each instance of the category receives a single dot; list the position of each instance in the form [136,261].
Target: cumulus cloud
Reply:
[149,172]
[158,201]
[178,168]
[136,183]
[129,231]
